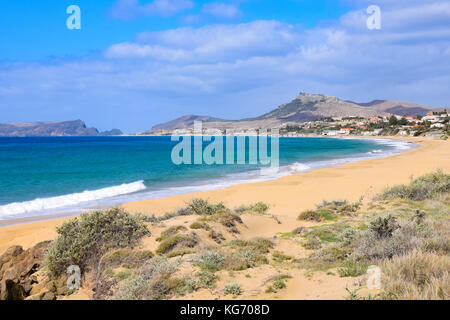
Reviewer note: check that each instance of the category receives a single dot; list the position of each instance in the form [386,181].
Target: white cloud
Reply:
[212,43]
[221,10]
[130,9]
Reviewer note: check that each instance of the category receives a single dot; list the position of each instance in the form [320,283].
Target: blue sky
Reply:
[136,63]
[37,30]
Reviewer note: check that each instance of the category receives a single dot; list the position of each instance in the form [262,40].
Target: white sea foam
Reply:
[298,167]
[40,204]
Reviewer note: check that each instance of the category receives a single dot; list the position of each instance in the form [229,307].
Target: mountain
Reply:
[305,107]
[51,129]
[184,122]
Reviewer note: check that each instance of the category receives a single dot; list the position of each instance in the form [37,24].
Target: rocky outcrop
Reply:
[18,275]
[51,129]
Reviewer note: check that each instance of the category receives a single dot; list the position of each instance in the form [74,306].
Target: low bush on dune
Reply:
[152,281]
[126,258]
[258,207]
[177,242]
[426,187]
[83,241]
[243,255]
[317,215]
[417,275]
[170,232]
[227,219]
[203,207]
[340,207]
[234,289]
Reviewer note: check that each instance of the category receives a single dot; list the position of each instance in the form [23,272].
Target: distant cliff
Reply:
[51,129]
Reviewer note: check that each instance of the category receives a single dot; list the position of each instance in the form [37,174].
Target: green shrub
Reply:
[204,208]
[317,215]
[83,241]
[126,258]
[151,282]
[311,244]
[331,204]
[200,225]
[177,241]
[234,289]
[426,187]
[228,220]
[202,280]
[259,245]
[383,227]
[310,215]
[352,268]
[417,275]
[281,257]
[170,232]
[258,207]
[406,237]
[210,260]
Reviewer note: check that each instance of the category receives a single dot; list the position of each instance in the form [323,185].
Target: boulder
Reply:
[9,290]
[17,269]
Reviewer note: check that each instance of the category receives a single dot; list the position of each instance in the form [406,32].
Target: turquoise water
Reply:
[53,175]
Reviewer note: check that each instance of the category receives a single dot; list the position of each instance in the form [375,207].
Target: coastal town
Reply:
[433,124]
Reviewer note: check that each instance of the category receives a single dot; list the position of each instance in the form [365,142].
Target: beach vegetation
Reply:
[234,289]
[426,187]
[125,257]
[227,219]
[417,275]
[204,208]
[280,257]
[259,245]
[177,242]
[317,215]
[200,225]
[83,241]
[153,281]
[352,268]
[202,280]
[170,232]
[277,282]
[218,237]
[258,207]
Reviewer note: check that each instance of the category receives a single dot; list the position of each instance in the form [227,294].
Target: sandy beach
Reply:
[286,196]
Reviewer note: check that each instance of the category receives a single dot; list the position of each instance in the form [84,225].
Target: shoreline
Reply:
[287,196]
[218,183]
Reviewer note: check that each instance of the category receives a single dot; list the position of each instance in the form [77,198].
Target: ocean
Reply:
[55,175]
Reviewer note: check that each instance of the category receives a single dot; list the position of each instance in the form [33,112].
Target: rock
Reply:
[9,290]
[35,296]
[49,296]
[17,268]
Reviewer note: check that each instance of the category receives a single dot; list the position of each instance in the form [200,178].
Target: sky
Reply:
[136,63]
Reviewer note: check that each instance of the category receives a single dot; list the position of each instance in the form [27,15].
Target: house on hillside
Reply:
[345,131]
